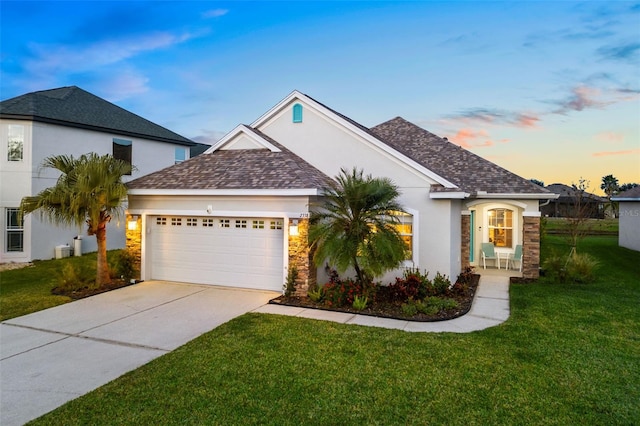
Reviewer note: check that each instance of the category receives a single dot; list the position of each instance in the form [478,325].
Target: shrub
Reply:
[315,294]
[124,265]
[441,284]
[409,308]
[581,268]
[342,292]
[290,284]
[465,276]
[73,278]
[360,302]
[426,308]
[441,303]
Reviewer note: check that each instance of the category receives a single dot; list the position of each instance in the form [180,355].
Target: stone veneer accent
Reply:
[134,240]
[465,241]
[300,256]
[531,247]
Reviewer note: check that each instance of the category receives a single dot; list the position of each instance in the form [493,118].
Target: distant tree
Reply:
[89,190]
[537,182]
[627,186]
[609,185]
[577,220]
[355,226]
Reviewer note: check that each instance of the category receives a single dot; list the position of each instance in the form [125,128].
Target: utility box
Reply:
[63,251]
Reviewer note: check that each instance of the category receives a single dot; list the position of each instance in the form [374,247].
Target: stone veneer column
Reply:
[465,240]
[531,247]
[300,256]
[134,240]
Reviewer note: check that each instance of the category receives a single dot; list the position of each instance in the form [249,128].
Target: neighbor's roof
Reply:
[632,194]
[471,173]
[568,193]
[237,169]
[74,107]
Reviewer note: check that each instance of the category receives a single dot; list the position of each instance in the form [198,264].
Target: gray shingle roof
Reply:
[74,107]
[568,193]
[633,193]
[238,169]
[466,170]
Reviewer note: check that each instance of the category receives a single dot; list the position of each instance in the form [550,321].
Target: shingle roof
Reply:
[74,107]
[238,169]
[568,193]
[466,170]
[633,193]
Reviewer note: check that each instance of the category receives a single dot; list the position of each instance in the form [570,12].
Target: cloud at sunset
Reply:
[496,117]
[609,137]
[608,153]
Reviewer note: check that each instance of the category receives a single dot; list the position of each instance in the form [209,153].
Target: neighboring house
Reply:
[569,198]
[238,214]
[69,121]
[629,222]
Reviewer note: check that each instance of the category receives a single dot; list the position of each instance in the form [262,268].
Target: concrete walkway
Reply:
[53,356]
[490,307]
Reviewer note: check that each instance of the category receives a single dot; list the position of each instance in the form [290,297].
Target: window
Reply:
[15,143]
[241,223]
[192,221]
[405,229]
[206,222]
[258,224]
[176,221]
[297,113]
[276,224]
[14,231]
[161,221]
[501,227]
[181,154]
[122,150]
[224,223]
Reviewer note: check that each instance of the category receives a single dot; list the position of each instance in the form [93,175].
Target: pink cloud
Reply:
[469,138]
[610,137]
[607,153]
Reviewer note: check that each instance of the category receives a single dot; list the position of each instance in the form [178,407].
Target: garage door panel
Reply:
[243,257]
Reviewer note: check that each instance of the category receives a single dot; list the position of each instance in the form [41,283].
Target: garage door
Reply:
[238,252]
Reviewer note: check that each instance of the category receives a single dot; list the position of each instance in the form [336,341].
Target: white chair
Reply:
[488,252]
[516,257]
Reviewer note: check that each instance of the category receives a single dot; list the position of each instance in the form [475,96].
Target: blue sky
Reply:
[548,90]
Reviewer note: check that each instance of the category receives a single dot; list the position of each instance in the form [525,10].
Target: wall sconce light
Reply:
[293,228]
[132,224]
[209,208]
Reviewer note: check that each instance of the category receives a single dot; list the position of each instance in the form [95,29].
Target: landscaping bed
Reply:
[90,290]
[396,300]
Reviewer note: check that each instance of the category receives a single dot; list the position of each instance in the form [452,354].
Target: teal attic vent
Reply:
[297,113]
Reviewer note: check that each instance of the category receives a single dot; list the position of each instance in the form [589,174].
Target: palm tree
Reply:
[355,226]
[89,190]
[609,185]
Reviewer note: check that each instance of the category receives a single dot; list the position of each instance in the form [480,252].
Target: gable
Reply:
[243,137]
[331,141]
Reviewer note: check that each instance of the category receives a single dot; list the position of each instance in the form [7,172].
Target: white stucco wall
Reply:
[629,225]
[330,147]
[28,178]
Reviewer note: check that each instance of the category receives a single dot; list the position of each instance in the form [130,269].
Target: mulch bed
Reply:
[383,308]
[87,291]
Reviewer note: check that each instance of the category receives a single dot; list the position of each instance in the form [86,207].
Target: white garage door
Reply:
[238,252]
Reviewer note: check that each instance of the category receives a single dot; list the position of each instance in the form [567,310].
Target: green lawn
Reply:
[569,354]
[559,224]
[27,290]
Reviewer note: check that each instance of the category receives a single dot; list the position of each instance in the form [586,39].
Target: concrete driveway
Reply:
[53,356]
